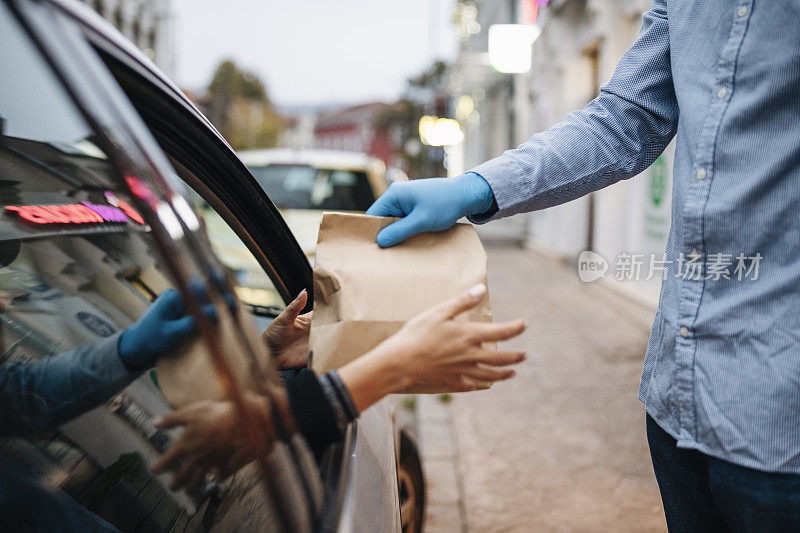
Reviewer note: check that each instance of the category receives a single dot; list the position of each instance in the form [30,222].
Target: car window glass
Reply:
[307,187]
[251,283]
[77,266]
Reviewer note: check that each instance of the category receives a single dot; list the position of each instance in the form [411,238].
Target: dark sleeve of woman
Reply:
[322,408]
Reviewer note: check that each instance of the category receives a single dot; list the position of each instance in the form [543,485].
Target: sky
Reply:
[314,52]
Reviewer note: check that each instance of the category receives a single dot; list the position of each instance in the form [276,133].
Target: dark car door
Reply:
[227,192]
[93,227]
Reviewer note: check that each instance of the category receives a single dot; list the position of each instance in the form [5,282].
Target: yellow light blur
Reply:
[435,131]
[465,105]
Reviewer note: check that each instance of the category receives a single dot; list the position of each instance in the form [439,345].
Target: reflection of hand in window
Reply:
[213,440]
[58,388]
[161,327]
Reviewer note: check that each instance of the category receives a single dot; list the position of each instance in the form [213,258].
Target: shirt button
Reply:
[722,93]
[742,11]
[701,174]
[684,331]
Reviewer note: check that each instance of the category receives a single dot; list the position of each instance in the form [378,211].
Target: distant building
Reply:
[145,22]
[352,129]
[580,44]
[485,102]
[298,131]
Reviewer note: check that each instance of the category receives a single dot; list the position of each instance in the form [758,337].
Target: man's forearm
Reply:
[616,136]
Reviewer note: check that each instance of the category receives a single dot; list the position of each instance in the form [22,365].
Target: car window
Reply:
[307,187]
[252,284]
[77,266]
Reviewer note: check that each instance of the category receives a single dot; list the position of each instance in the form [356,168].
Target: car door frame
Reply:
[121,134]
[171,116]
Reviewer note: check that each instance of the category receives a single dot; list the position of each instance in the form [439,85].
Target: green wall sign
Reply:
[658,180]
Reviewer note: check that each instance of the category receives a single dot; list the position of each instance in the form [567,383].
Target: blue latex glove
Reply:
[159,329]
[432,204]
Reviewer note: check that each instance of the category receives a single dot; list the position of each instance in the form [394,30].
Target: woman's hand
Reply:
[433,348]
[213,441]
[287,335]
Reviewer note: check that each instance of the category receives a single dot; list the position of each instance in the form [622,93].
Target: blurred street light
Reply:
[435,131]
[465,16]
[465,105]
[510,47]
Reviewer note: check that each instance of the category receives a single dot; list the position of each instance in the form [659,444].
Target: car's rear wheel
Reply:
[411,486]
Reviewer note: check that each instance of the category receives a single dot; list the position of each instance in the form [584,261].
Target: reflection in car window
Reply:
[305,187]
[251,283]
[77,266]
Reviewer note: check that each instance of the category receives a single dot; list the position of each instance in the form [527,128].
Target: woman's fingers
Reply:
[487,373]
[487,332]
[177,418]
[461,303]
[460,383]
[184,473]
[196,481]
[304,321]
[500,358]
[165,462]
[287,317]
[293,309]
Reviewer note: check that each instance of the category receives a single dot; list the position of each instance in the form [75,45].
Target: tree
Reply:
[424,95]
[238,105]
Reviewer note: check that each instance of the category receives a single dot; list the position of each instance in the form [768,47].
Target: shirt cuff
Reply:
[500,174]
[340,399]
[107,362]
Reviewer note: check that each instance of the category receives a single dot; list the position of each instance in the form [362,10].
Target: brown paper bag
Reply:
[187,375]
[363,294]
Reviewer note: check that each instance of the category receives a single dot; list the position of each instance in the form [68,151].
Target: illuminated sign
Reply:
[82,213]
[529,10]
[125,206]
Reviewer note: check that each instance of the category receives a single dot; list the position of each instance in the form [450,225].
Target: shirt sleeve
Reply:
[53,390]
[616,136]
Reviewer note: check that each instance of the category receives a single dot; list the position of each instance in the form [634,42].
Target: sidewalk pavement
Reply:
[561,447]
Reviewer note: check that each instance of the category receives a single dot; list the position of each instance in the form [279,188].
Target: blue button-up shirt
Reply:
[722,370]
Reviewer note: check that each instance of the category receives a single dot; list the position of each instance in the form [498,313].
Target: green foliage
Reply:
[409,402]
[238,105]
[401,121]
[432,78]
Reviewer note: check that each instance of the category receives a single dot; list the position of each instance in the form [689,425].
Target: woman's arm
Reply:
[433,348]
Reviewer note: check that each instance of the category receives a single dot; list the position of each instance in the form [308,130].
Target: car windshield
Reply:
[307,187]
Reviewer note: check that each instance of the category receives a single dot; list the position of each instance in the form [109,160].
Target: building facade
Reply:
[580,43]
[353,129]
[145,22]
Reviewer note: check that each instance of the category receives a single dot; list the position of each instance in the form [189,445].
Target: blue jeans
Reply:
[701,493]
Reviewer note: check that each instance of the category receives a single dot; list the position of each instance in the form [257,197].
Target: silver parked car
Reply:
[87,122]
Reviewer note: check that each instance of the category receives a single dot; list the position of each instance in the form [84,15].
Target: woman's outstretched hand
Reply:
[433,348]
[287,335]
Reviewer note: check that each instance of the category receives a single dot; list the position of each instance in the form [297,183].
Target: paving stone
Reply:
[561,447]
